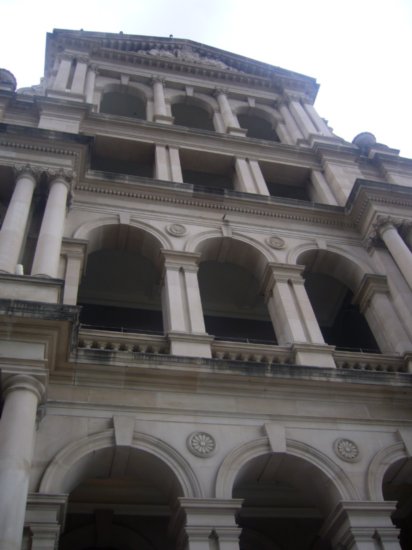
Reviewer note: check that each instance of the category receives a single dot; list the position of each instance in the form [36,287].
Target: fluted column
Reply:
[397,248]
[21,395]
[46,258]
[292,315]
[15,222]
[160,110]
[182,306]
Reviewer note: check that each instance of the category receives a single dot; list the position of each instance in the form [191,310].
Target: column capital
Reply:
[25,382]
[157,78]
[28,170]
[219,91]
[277,272]
[175,259]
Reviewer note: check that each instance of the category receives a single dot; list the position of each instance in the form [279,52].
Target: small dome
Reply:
[364,140]
[7,80]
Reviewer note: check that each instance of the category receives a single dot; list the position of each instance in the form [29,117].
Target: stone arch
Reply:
[260,121]
[246,452]
[379,466]
[129,101]
[60,475]
[193,111]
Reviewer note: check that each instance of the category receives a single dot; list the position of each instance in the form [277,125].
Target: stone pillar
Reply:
[291,125]
[362,525]
[79,78]
[90,83]
[322,192]
[47,255]
[21,395]
[167,164]
[160,110]
[229,119]
[320,124]
[63,72]
[74,251]
[292,315]
[373,298]
[397,248]
[303,121]
[182,306]
[15,222]
[198,521]
[249,177]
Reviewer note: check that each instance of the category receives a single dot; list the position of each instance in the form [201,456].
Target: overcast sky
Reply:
[360,51]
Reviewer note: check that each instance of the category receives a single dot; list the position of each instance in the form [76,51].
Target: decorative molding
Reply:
[275,242]
[346,450]
[201,444]
[176,230]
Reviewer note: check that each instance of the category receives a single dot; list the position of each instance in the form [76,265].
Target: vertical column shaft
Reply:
[306,125]
[398,250]
[229,118]
[291,125]
[160,113]
[167,164]
[79,78]
[15,222]
[46,258]
[63,72]
[317,120]
[90,82]
[17,431]
[250,177]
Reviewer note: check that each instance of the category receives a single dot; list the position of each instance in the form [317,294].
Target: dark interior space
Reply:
[122,157]
[192,116]
[257,127]
[123,104]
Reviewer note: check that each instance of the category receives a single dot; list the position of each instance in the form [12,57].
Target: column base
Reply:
[163,119]
[233,131]
[313,355]
[190,345]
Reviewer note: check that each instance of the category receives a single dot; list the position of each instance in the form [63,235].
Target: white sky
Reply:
[360,51]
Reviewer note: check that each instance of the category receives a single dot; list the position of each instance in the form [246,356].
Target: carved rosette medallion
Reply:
[201,444]
[346,450]
[176,230]
[275,242]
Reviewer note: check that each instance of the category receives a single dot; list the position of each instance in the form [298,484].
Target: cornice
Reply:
[187,195]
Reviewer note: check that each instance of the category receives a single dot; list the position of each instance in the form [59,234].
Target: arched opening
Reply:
[286,500]
[121,285]
[230,275]
[192,116]
[257,126]
[330,281]
[397,486]
[120,499]
[123,103]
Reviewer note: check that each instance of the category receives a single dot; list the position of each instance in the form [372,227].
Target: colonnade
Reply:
[15,225]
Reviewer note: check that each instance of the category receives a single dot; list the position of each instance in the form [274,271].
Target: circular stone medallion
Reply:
[176,229]
[275,242]
[346,450]
[201,444]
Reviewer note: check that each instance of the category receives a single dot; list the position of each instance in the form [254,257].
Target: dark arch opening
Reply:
[193,116]
[123,104]
[397,486]
[257,127]
[120,289]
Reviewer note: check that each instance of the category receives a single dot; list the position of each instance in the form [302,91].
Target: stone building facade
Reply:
[206,309]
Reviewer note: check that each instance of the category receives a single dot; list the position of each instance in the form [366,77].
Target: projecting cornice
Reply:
[177,55]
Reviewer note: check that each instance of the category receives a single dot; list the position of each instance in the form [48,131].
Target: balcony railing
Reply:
[115,341]
[373,362]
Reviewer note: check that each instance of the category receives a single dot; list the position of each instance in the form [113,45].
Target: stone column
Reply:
[373,298]
[362,525]
[249,177]
[15,222]
[322,191]
[230,120]
[197,521]
[47,255]
[63,72]
[320,124]
[397,248]
[292,315]
[299,114]
[291,125]
[21,395]
[167,164]
[90,83]
[79,78]
[160,110]
[182,306]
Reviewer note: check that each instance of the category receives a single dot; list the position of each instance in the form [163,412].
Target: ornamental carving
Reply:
[188,55]
[201,444]
[176,230]
[275,242]
[346,450]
